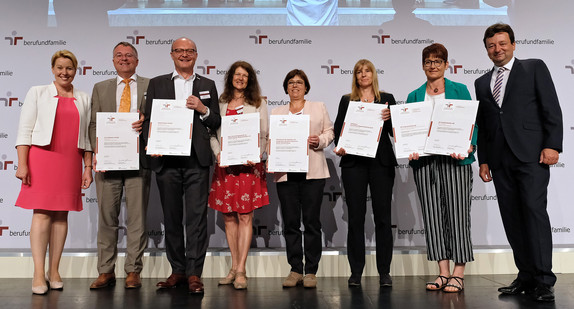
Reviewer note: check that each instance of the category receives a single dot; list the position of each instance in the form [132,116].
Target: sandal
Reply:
[458,287]
[229,278]
[240,285]
[438,287]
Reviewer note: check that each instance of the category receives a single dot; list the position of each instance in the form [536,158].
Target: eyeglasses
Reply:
[180,51]
[128,55]
[436,63]
[239,75]
[295,83]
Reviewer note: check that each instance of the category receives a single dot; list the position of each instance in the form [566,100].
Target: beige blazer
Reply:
[322,126]
[39,113]
[263,125]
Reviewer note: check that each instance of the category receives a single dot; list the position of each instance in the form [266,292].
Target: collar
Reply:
[119,80]
[507,66]
[176,75]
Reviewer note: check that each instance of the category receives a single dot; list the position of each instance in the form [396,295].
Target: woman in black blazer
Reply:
[358,173]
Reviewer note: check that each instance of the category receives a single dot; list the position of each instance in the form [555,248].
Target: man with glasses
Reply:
[183,181]
[125,93]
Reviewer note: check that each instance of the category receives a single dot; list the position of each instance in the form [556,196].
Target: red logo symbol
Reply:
[381,37]
[135,38]
[258,37]
[330,68]
[14,39]
[3,228]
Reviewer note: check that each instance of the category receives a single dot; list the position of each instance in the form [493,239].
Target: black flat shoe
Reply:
[516,287]
[437,287]
[543,293]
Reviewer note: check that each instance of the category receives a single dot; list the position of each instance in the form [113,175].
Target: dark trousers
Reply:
[380,179]
[302,197]
[176,185]
[522,190]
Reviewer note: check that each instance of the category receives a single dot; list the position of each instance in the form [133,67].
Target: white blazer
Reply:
[39,113]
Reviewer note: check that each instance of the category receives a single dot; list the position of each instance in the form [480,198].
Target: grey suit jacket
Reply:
[104,100]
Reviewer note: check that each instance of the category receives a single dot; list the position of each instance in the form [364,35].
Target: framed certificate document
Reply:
[239,139]
[170,128]
[451,127]
[288,147]
[362,129]
[411,124]
[117,144]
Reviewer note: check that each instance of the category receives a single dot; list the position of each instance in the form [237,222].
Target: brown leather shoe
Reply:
[133,281]
[195,285]
[172,281]
[104,280]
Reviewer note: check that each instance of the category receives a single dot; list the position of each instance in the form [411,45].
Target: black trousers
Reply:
[302,198]
[380,179]
[186,254]
[522,190]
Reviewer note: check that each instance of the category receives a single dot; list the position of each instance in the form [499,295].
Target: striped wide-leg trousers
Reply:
[444,190]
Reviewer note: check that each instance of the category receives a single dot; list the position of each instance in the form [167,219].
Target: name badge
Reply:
[204,95]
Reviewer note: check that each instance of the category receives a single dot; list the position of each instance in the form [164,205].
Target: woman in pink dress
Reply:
[52,140]
[239,189]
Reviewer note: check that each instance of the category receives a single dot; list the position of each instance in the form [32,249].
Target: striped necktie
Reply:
[126,99]
[498,86]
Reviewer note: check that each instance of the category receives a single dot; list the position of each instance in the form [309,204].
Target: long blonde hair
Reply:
[355,89]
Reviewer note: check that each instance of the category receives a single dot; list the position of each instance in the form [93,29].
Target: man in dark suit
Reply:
[125,93]
[183,182]
[520,136]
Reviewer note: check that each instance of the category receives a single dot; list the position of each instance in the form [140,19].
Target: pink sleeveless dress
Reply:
[56,169]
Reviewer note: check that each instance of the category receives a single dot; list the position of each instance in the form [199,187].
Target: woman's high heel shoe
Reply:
[229,279]
[55,285]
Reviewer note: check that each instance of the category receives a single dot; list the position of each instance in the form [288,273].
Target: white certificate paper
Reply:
[288,147]
[170,128]
[452,126]
[411,124]
[239,139]
[117,144]
[362,129]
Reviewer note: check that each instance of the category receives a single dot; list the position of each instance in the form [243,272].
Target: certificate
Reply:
[117,144]
[411,124]
[239,139]
[170,128]
[288,147]
[362,129]
[451,127]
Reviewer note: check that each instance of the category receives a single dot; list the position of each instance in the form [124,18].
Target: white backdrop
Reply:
[327,55]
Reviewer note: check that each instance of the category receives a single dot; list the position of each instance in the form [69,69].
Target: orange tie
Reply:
[126,99]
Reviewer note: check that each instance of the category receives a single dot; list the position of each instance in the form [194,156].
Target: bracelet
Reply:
[85,166]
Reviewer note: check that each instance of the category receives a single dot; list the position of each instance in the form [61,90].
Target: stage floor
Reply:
[407,292]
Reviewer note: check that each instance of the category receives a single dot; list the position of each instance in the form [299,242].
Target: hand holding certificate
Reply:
[411,124]
[117,144]
[170,128]
[452,126]
[362,129]
[239,139]
[288,146]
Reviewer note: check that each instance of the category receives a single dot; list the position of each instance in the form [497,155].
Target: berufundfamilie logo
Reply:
[6,164]
[570,67]
[454,68]
[136,38]
[206,69]
[18,40]
[263,39]
[334,69]
[384,39]
[9,100]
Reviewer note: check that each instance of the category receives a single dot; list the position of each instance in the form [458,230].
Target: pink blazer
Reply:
[322,126]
